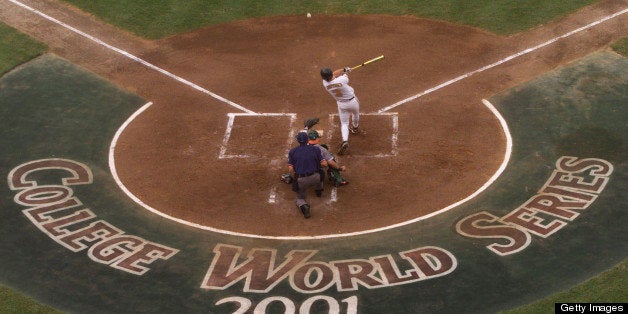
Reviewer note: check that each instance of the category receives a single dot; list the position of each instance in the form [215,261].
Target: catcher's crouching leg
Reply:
[336,178]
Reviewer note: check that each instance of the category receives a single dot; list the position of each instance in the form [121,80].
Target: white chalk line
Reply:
[399,103]
[504,60]
[394,117]
[114,173]
[493,178]
[225,140]
[273,195]
[333,196]
[133,57]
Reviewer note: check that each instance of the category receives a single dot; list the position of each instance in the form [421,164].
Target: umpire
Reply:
[304,161]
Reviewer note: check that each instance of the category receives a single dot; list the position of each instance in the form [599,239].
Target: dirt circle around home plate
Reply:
[221,171]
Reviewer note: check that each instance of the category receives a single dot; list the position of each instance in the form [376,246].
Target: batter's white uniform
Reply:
[348,105]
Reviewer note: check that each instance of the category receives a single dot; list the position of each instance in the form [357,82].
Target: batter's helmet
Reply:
[327,74]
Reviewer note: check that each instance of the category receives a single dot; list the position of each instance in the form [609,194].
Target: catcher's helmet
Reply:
[327,74]
[312,135]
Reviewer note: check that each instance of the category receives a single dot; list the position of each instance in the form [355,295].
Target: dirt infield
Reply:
[431,141]
[448,139]
[449,143]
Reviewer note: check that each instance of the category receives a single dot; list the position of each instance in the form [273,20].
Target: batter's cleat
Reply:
[354,130]
[343,148]
[305,209]
[310,122]
[319,193]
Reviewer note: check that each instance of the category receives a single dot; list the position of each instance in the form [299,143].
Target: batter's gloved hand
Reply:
[311,122]
[347,69]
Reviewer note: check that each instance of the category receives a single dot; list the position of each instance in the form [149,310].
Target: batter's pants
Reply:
[348,111]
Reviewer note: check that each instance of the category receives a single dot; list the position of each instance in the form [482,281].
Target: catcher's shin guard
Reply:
[336,179]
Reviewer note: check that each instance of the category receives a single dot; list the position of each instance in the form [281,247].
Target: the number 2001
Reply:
[290,308]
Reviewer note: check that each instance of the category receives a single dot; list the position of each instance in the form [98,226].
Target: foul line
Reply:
[133,57]
[493,178]
[511,57]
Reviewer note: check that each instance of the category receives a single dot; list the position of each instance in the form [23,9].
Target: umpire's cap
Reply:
[327,74]
[302,137]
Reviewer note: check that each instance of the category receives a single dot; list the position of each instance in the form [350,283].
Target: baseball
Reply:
[309,15]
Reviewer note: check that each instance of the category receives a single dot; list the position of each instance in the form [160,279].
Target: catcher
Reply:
[333,168]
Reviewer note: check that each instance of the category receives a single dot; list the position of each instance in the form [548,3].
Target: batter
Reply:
[337,84]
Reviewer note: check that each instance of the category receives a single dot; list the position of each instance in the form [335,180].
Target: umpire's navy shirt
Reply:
[305,159]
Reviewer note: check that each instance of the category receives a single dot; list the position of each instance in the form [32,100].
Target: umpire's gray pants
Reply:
[305,183]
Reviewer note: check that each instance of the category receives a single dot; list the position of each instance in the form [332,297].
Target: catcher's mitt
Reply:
[310,122]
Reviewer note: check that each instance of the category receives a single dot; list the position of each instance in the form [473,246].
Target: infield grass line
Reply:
[504,60]
[133,57]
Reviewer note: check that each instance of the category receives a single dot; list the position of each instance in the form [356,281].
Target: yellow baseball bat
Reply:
[368,61]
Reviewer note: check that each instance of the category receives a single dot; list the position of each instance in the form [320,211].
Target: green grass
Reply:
[609,287]
[621,46]
[16,48]
[155,19]
[13,302]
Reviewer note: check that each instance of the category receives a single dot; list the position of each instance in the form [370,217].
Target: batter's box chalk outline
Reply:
[394,120]
[273,194]
[223,154]
[137,200]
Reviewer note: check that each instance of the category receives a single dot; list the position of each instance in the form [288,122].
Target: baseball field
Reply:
[143,143]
